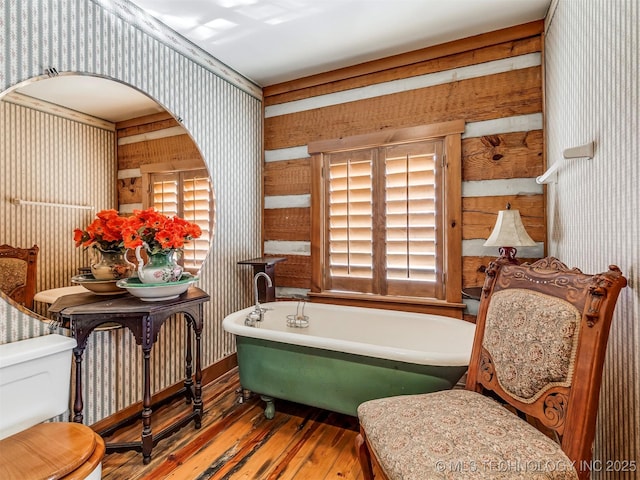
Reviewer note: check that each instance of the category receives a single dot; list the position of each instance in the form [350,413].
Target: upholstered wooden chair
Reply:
[537,359]
[18,268]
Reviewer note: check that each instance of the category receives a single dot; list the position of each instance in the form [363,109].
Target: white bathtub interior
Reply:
[404,336]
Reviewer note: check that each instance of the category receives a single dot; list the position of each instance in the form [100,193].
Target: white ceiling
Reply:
[272,41]
[95,96]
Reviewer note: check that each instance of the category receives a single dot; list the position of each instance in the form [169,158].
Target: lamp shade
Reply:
[509,231]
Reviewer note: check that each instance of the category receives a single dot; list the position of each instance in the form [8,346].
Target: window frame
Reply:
[451,217]
[168,168]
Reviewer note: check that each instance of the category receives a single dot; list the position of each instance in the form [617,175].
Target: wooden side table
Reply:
[83,312]
[267,265]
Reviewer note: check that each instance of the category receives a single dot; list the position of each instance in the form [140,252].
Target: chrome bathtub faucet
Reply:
[257,315]
[299,320]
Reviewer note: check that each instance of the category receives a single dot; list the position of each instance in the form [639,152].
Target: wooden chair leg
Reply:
[364,456]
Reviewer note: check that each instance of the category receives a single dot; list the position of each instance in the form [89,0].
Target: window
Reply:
[186,193]
[386,211]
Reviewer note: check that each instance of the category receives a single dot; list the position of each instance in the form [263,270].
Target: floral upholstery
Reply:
[458,434]
[532,339]
[13,274]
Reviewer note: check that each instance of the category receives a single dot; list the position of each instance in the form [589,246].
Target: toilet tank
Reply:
[35,381]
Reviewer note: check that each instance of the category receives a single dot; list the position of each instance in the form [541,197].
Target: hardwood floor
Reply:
[236,441]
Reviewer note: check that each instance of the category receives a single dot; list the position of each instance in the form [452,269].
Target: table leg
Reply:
[77,402]
[188,380]
[147,437]
[197,402]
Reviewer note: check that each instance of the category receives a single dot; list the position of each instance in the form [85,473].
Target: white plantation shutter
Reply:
[386,216]
[198,208]
[412,182]
[165,193]
[187,194]
[351,220]
[382,219]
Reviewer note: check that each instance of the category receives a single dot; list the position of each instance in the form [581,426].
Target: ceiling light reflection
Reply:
[220,24]
[235,3]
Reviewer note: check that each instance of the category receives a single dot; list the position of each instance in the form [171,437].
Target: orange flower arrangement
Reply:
[159,232]
[105,232]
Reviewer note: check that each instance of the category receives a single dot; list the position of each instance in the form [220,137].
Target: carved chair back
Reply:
[540,344]
[18,268]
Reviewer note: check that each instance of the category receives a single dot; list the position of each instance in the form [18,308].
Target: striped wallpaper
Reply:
[220,109]
[593,94]
[44,159]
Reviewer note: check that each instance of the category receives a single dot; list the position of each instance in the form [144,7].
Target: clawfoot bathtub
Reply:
[347,355]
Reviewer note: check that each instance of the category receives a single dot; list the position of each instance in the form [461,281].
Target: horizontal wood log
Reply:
[146,123]
[287,177]
[479,215]
[474,268]
[507,155]
[287,224]
[450,48]
[295,272]
[516,92]
[130,190]
[392,72]
[161,150]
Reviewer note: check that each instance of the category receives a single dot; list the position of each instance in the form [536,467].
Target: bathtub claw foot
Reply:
[270,408]
[244,394]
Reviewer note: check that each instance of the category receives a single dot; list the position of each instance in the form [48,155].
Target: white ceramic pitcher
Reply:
[160,267]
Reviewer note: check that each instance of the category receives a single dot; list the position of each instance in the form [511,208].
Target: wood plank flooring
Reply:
[237,442]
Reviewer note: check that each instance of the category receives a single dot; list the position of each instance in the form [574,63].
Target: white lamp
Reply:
[508,233]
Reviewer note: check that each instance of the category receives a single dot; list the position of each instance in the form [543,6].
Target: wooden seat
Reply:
[52,451]
[537,359]
[18,267]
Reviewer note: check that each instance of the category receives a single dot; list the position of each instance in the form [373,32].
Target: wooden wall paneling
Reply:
[463,59]
[387,136]
[287,177]
[507,155]
[165,150]
[317,233]
[476,42]
[287,224]
[145,124]
[479,215]
[129,190]
[453,216]
[496,156]
[517,92]
[160,150]
[295,272]
[473,268]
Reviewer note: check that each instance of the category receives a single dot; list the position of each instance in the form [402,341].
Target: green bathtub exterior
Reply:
[332,380]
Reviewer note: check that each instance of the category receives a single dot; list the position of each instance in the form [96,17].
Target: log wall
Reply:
[156,138]
[492,81]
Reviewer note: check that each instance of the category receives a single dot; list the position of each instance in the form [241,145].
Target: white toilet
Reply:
[35,377]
